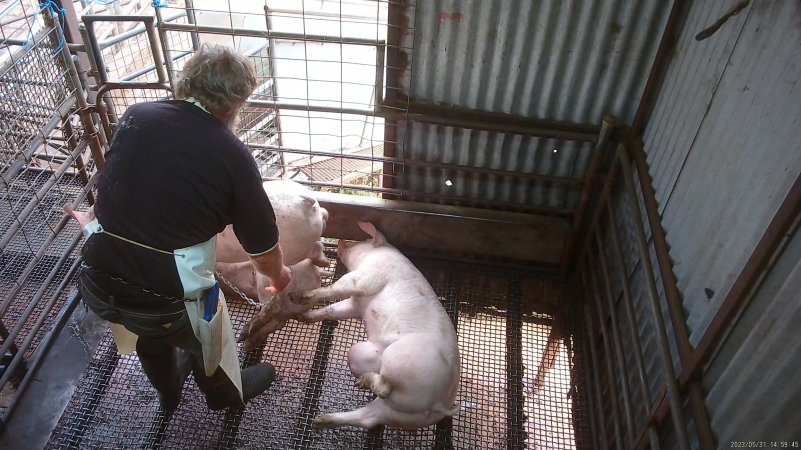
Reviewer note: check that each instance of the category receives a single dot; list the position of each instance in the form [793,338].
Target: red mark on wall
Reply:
[444,16]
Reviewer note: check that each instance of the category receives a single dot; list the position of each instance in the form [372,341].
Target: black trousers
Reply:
[159,329]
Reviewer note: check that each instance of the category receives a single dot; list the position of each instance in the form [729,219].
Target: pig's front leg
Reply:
[317,255]
[347,286]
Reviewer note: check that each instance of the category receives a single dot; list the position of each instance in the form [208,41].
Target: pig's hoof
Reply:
[321,262]
[300,297]
[375,383]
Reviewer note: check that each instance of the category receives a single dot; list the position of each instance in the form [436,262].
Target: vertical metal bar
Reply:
[190,17]
[591,408]
[632,325]
[677,318]
[271,61]
[617,343]
[165,48]
[674,396]
[32,304]
[158,61]
[80,164]
[94,52]
[515,431]
[609,355]
[598,154]
[396,22]
[596,367]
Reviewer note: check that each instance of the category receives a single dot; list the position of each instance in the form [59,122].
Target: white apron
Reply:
[196,269]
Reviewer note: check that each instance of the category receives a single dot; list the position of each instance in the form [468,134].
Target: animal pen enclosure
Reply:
[504,146]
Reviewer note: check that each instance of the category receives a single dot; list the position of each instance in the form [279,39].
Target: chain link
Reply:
[217,274]
[240,293]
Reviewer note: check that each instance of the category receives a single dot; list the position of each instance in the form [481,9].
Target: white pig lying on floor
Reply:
[410,359]
[275,312]
[300,220]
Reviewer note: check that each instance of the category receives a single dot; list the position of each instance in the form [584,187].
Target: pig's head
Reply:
[351,252]
[315,211]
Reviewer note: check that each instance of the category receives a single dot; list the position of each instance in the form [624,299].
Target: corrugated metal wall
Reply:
[568,61]
[723,143]
[571,61]
[753,382]
[724,147]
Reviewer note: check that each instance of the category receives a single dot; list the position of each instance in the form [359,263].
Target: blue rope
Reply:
[160,4]
[56,11]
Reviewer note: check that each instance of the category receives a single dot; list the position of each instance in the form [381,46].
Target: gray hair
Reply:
[219,77]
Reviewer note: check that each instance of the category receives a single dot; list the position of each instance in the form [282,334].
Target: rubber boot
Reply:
[220,391]
[167,371]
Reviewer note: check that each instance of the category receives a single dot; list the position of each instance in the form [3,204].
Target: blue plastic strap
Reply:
[56,11]
[160,4]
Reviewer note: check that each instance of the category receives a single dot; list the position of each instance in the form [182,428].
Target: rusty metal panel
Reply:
[567,61]
[724,149]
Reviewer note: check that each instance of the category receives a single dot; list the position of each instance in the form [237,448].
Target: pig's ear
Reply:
[369,228]
[308,201]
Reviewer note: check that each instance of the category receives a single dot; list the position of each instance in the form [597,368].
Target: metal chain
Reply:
[239,292]
[169,297]
[128,283]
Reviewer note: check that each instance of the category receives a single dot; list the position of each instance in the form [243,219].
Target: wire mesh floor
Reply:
[506,399]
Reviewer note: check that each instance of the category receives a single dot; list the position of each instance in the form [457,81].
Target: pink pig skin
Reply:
[300,220]
[275,312]
[410,359]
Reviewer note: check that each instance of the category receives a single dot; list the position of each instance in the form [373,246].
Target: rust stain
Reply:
[445,16]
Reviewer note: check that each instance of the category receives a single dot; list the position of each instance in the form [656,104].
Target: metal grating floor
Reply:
[502,341]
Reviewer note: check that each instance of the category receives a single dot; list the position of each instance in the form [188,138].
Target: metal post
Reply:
[632,325]
[616,340]
[677,318]
[674,396]
[609,354]
[595,369]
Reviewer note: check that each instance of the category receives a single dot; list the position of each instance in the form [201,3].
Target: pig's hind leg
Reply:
[317,255]
[364,357]
[377,412]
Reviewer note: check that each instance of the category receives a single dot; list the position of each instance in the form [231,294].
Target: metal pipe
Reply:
[32,304]
[672,297]
[80,164]
[165,47]
[606,191]
[23,215]
[139,29]
[598,154]
[42,351]
[271,62]
[157,59]
[632,325]
[267,34]
[596,366]
[591,408]
[674,396]
[617,344]
[190,17]
[609,355]
[13,169]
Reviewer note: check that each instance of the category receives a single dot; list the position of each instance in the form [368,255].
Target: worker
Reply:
[174,176]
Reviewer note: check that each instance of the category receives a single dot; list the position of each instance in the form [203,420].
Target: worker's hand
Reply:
[279,283]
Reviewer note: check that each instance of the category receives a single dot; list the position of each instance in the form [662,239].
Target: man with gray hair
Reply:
[175,176]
